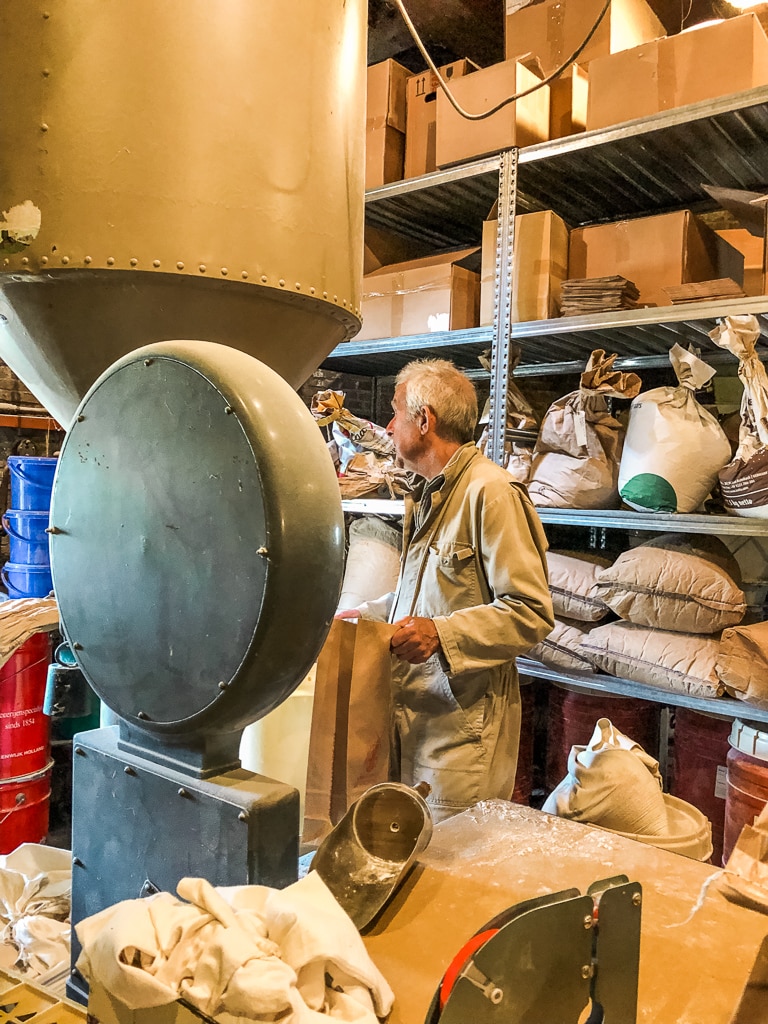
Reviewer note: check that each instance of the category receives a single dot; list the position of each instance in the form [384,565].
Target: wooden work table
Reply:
[697,948]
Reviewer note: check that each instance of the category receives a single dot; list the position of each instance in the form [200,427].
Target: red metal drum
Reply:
[24,728]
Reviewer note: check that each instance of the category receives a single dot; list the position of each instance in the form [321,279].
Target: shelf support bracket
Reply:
[502,304]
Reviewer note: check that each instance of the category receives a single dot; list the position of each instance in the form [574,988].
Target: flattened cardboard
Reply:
[522,123]
[386,95]
[540,266]
[553,30]
[421,120]
[670,249]
[691,67]
[438,293]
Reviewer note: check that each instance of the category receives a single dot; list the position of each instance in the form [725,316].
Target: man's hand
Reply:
[348,613]
[416,640]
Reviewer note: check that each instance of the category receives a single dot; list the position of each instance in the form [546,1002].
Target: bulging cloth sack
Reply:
[572,586]
[561,648]
[664,586]
[744,481]
[611,782]
[576,458]
[674,448]
[742,663]
[349,739]
[679,662]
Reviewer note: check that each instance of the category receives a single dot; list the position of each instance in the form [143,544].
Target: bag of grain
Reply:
[744,481]
[576,458]
[674,448]
[521,420]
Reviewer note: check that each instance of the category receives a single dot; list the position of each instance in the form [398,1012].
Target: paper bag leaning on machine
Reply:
[744,481]
[576,458]
[674,448]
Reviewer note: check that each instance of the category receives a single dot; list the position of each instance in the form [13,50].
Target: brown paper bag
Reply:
[350,735]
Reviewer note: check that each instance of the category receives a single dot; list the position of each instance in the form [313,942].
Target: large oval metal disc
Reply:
[197,549]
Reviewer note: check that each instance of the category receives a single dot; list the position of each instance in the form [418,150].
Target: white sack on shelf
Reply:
[744,481]
[612,782]
[742,663]
[373,561]
[561,648]
[674,448]
[572,586]
[678,662]
[660,587]
[576,458]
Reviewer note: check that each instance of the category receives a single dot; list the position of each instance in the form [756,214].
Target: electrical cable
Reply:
[510,99]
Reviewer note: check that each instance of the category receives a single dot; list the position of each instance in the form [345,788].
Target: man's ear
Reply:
[427,420]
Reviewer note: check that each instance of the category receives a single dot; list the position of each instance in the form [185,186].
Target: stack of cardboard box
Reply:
[627,71]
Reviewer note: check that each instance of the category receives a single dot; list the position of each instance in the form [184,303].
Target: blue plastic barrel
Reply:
[27,537]
[26,580]
[31,482]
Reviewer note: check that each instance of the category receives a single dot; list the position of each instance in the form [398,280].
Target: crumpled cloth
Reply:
[249,951]
[612,782]
[35,887]
[20,619]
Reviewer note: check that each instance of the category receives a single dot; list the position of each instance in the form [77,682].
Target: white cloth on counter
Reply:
[248,951]
[612,782]
[20,619]
[35,887]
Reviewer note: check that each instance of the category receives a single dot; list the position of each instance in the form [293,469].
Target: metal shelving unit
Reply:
[725,707]
[625,171]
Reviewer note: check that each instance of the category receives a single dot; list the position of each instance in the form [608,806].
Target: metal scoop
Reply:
[370,851]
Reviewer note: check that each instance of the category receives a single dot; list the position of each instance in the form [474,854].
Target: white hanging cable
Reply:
[510,99]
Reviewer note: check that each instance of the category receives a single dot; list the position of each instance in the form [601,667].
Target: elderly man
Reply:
[472,594]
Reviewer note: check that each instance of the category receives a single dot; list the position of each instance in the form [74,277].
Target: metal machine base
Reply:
[139,826]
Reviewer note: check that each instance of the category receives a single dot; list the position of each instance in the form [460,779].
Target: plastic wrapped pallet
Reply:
[744,481]
[577,454]
[674,448]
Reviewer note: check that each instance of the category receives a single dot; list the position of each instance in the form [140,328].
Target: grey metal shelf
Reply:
[619,519]
[642,338]
[624,171]
[725,707]
[651,165]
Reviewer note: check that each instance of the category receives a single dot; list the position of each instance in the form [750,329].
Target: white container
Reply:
[278,744]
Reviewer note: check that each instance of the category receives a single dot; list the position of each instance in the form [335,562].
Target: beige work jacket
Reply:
[475,564]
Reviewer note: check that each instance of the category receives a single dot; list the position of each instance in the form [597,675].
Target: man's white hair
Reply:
[449,393]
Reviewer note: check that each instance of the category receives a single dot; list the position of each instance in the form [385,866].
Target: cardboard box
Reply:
[522,123]
[540,266]
[751,248]
[421,119]
[385,123]
[382,247]
[751,211]
[438,293]
[553,30]
[386,95]
[384,156]
[694,66]
[654,252]
[568,97]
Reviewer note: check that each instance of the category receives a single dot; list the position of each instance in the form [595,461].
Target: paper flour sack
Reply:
[674,448]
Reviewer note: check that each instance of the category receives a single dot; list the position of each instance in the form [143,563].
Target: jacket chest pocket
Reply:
[454,567]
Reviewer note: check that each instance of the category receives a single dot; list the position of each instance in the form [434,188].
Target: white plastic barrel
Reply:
[373,561]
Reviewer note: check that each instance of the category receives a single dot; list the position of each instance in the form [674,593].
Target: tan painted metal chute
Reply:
[178,169]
